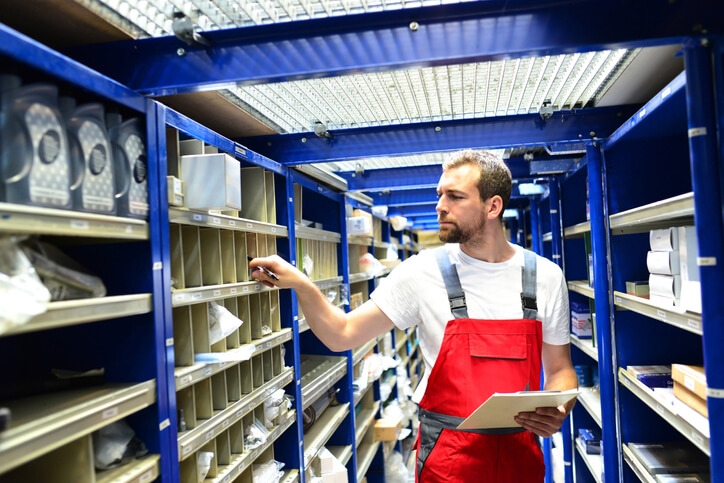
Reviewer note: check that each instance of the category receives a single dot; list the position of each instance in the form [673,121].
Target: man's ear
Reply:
[495,207]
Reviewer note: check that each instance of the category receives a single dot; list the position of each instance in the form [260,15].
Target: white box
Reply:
[359,225]
[689,270]
[326,461]
[211,181]
[665,263]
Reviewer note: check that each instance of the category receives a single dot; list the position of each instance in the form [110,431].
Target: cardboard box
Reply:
[690,399]
[652,376]
[387,429]
[638,288]
[355,300]
[691,377]
[211,182]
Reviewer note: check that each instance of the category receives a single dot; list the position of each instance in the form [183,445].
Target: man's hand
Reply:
[544,421]
[288,275]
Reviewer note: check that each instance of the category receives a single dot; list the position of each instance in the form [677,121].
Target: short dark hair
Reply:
[495,177]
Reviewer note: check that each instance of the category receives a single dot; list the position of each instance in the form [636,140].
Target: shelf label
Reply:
[233,290]
[689,383]
[249,226]
[246,289]
[642,113]
[195,296]
[665,92]
[79,224]
[693,323]
[215,220]
[185,380]
[627,382]
[209,435]
[273,230]
[697,437]
[207,371]
[186,450]
[697,131]
[169,342]
[146,477]
[157,266]
[706,261]
[618,300]
[164,424]
[217,293]
[198,217]
[660,408]
[716,393]
[226,480]
[661,314]
[109,413]
[224,423]
[232,223]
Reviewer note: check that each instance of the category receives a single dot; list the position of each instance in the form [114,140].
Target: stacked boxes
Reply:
[581,320]
[690,386]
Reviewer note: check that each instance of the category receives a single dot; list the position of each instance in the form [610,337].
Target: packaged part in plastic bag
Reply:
[272,407]
[221,322]
[65,278]
[22,294]
[269,472]
[255,435]
[204,465]
[369,264]
[395,469]
[115,445]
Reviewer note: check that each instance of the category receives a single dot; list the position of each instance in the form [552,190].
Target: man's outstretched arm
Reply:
[338,330]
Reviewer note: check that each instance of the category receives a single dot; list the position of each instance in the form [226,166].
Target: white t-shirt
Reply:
[414,294]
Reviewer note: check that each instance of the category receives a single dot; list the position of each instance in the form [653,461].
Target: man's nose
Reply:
[439,207]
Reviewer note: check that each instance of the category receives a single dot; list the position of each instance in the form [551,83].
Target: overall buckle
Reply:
[528,303]
[457,302]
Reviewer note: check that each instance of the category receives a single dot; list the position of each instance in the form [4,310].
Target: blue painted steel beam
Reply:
[411,177]
[705,177]
[606,345]
[313,185]
[372,42]
[552,167]
[427,137]
[194,129]
[414,210]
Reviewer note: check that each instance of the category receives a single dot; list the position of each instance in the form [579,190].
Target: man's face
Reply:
[460,211]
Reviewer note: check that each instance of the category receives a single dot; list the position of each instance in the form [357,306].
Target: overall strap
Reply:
[455,293]
[528,296]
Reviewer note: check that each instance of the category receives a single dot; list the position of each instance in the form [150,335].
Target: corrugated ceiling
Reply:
[463,91]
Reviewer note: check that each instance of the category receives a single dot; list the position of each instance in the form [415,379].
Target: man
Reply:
[489,313]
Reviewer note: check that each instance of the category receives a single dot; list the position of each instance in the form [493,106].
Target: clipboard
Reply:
[500,408]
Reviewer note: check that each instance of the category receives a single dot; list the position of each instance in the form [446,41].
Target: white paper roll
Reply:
[665,263]
[664,240]
[665,285]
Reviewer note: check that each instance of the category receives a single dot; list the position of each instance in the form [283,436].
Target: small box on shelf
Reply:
[387,429]
[652,376]
[581,320]
[638,288]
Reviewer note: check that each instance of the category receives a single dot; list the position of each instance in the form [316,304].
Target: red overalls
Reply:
[477,358]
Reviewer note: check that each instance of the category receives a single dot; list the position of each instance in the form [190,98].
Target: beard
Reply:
[458,234]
